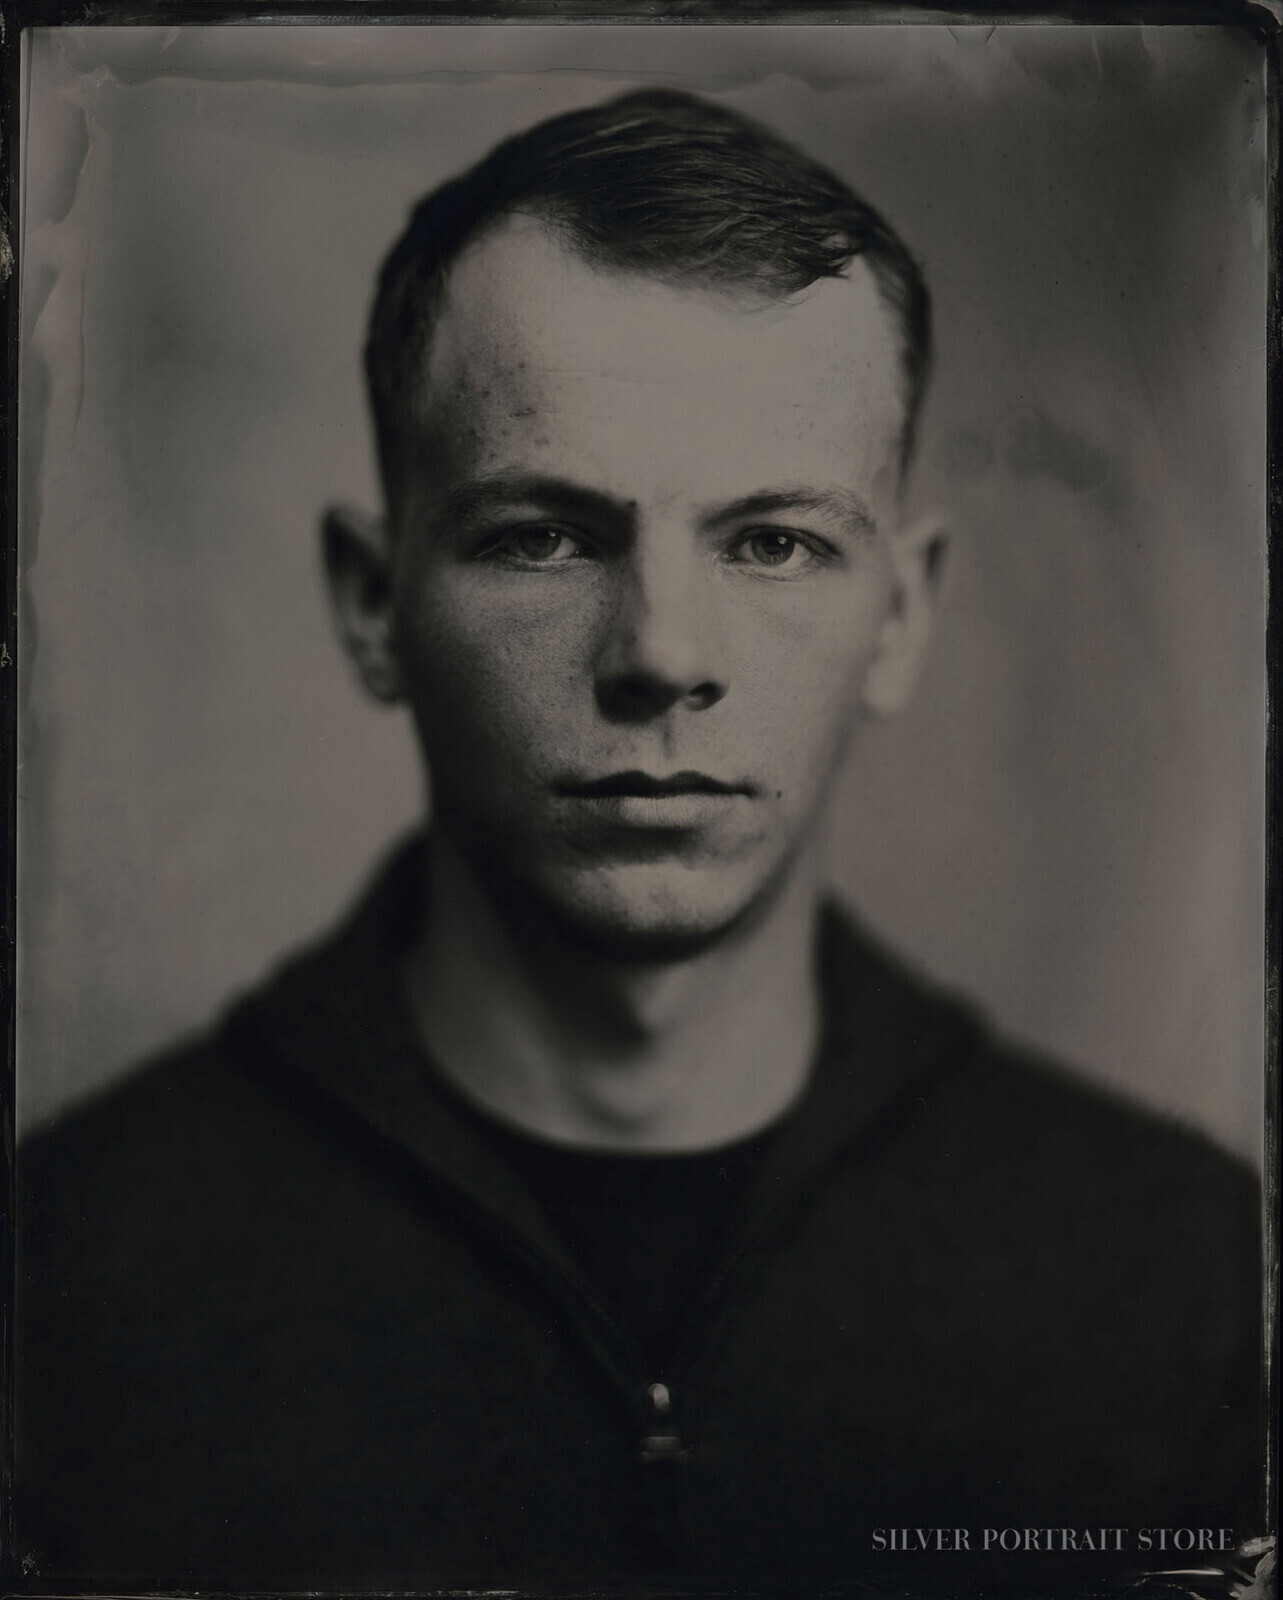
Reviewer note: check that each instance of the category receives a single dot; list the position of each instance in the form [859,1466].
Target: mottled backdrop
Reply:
[1068,823]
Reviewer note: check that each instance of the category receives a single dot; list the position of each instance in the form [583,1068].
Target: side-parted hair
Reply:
[656,182]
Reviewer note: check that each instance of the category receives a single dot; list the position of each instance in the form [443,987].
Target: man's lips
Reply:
[642,785]
[641,804]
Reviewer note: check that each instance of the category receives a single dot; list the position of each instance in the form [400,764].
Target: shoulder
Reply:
[192,1119]
[1057,1134]
[1092,1225]
[982,1098]
[176,1152]
[1019,1157]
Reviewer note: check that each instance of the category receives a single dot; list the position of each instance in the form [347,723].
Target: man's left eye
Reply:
[772,548]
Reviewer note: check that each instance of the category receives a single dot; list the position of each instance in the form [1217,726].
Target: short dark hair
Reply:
[657,182]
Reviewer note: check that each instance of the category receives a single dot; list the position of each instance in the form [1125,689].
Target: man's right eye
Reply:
[541,544]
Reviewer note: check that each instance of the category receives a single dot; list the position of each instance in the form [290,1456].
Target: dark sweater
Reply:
[287,1317]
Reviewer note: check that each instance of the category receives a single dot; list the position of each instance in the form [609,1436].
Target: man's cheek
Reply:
[479,711]
[803,697]
[487,639]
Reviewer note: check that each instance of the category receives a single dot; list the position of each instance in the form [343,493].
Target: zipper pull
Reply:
[662,1443]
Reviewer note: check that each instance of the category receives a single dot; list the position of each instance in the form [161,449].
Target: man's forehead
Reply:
[526,316]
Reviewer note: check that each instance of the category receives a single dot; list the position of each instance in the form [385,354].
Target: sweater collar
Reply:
[335,1026]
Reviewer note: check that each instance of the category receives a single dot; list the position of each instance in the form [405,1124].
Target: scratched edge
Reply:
[1261,20]
[10,97]
[1273,1108]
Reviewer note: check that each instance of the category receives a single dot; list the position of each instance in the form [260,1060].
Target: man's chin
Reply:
[647,912]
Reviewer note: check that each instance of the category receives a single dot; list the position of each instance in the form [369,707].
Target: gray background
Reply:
[1069,823]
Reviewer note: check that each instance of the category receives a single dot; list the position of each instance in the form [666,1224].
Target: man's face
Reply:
[648,578]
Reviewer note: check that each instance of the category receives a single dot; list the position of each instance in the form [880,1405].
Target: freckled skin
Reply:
[668,404]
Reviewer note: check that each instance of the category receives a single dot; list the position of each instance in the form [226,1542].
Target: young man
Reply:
[599,1204]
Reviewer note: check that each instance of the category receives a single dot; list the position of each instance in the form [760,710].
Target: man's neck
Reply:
[603,1053]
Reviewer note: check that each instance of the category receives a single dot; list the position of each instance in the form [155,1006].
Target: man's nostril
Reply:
[636,697]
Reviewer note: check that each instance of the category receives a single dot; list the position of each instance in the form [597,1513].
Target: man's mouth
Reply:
[643,785]
[643,803]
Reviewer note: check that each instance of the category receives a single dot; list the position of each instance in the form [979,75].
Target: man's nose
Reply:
[660,647]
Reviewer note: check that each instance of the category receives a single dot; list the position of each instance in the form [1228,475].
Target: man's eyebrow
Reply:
[497,490]
[837,502]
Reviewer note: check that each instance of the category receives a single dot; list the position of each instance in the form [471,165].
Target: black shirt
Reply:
[644,1228]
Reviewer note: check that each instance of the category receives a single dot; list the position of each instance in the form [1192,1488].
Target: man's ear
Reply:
[918,551]
[358,568]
